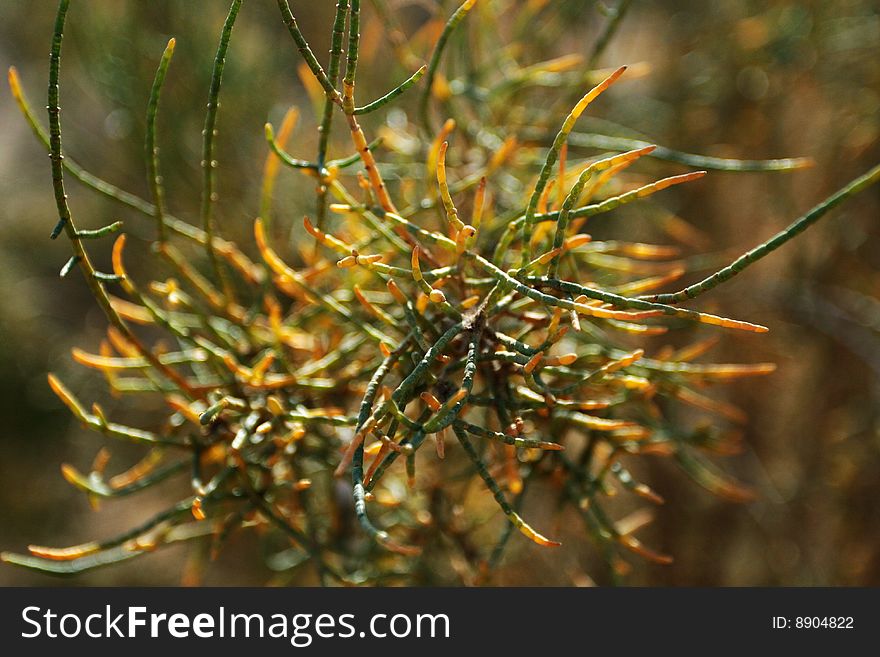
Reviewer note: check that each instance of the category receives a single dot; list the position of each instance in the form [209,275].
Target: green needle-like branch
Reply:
[306,51]
[783,236]
[154,179]
[456,18]
[391,95]
[209,163]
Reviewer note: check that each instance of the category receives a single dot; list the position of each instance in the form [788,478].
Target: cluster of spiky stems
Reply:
[474,316]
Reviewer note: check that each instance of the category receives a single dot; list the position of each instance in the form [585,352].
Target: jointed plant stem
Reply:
[65,221]
[755,254]
[327,118]
[436,56]
[152,151]
[209,164]
[353,352]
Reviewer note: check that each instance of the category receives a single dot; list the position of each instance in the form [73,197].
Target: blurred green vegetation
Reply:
[732,78]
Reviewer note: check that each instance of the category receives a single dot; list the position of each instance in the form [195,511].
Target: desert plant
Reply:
[448,292]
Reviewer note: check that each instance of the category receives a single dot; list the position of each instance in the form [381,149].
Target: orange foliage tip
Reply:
[563,160]
[543,200]
[460,394]
[433,157]
[432,402]
[275,405]
[724,409]
[672,180]
[90,360]
[515,486]
[271,258]
[416,266]
[628,360]
[69,400]
[14,82]
[695,350]
[647,493]
[734,491]
[591,95]
[531,534]
[437,296]
[636,546]
[735,371]
[101,460]
[440,443]
[651,283]
[98,412]
[725,322]
[564,359]
[373,448]
[600,423]
[183,407]
[554,321]
[529,367]
[634,382]
[118,266]
[575,241]
[368,259]
[64,554]
[605,313]
[198,510]
[388,543]
[140,469]
[470,302]
[347,262]
[639,250]
[74,477]
[325,238]
[310,228]
[547,257]
[629,434]
[479,203]
[466,233]
[396,292]
[640,329]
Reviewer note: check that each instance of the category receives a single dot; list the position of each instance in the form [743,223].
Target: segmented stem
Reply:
[209,164]
[154,179]
[783,236]
[306,51]
[553,155]
[456,18]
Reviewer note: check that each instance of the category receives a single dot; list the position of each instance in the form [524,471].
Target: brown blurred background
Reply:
[732,78]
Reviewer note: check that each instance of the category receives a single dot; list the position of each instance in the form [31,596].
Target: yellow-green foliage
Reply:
[446,327]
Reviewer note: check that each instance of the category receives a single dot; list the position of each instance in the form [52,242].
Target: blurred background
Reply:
[733,78]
